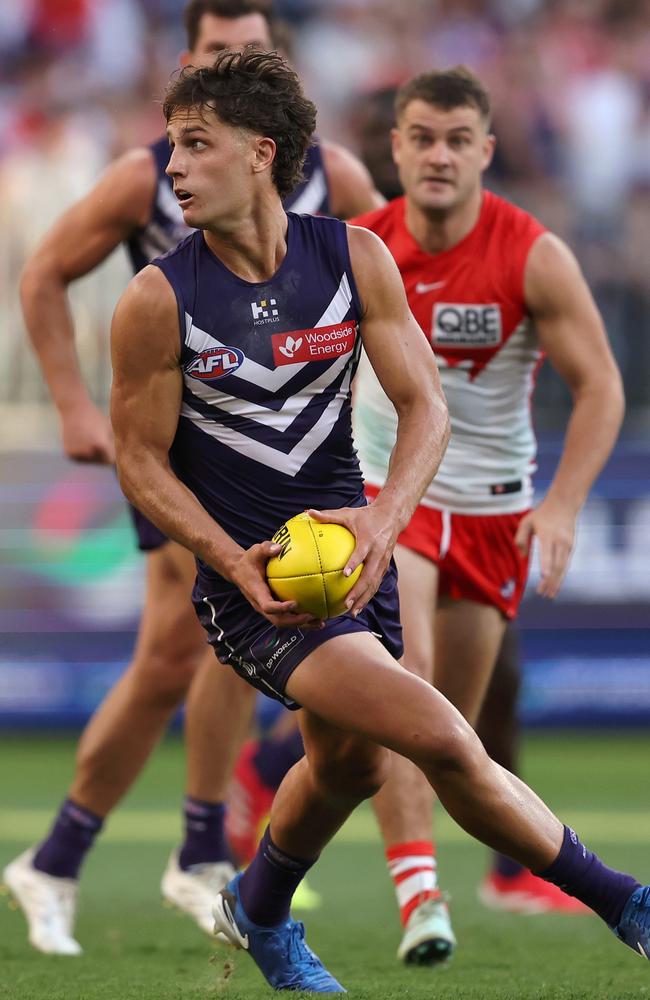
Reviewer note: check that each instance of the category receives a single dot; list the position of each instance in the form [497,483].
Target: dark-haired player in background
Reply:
[133,202]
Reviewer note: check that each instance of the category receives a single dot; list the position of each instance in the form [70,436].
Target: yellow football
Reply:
[309,569]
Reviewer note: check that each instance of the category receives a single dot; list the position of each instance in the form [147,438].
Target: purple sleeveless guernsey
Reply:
[265,422]
[166,228]
[265,426]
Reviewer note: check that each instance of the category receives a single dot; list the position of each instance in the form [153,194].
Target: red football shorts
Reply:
[476,555]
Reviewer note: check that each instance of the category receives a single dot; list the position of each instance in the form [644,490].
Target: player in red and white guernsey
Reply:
[494,292]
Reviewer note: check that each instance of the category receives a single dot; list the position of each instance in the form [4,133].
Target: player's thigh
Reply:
[352,683]
[418,590]
[341,761]
[468,636]
[170,640]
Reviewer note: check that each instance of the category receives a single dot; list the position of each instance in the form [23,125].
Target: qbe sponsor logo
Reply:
[215,363]
[322,343]
[464,325]
[270,649]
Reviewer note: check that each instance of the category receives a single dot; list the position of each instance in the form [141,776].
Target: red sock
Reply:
[412,867]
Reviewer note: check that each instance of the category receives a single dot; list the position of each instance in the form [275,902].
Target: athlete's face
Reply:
[218,33]
[440,155]
[213,168]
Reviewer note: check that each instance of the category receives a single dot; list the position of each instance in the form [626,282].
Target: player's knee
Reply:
[365,780]
[165,670]
[354,777]
[457,749]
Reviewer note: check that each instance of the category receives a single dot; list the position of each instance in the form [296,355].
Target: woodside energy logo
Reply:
[318,344]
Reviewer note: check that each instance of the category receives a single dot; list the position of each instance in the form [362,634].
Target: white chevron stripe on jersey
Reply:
[251,371]
[338,307]
[290,464]
[312,195]
[278,419]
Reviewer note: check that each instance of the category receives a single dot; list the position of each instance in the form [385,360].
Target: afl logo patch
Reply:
[215,363]
[466,325]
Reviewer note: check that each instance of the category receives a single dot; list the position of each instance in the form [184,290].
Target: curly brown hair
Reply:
[256,91]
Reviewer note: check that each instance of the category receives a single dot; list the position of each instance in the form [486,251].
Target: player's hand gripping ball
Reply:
[309,569]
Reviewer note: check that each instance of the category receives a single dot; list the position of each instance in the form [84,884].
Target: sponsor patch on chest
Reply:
[321,343]
[462,325]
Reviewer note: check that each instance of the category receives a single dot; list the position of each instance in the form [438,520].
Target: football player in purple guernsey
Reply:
[133,202]
[218,463]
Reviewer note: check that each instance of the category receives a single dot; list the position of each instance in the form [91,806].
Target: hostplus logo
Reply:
[264,311]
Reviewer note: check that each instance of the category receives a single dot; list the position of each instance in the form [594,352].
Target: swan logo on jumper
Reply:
[264,311]
[322,343]
[466,325]
[215,363]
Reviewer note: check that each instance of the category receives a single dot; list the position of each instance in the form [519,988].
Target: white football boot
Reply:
[428,938]
[49,904]
[193,891]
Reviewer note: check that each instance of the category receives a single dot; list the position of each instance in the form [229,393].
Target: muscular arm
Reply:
[352,190]
[572,334]
[145,406]
[405,366]
[80,240]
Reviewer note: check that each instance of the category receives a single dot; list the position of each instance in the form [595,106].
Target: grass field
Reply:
[137,950]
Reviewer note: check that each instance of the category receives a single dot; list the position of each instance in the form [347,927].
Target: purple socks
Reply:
[75,829]
[73,833]
[268,884]
[205,840]
[274,758]
[580,873]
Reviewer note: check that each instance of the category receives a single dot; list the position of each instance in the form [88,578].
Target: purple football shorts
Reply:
[149,536]
[266,656]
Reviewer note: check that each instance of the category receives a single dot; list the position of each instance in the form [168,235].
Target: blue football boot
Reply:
[634,926]
[281,954]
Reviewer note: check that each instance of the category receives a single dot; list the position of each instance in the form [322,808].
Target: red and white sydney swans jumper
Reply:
[469,301]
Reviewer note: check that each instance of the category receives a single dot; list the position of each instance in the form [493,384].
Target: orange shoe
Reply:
[248,805]
[526,893]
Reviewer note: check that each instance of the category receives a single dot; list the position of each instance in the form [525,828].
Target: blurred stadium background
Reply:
[570,82]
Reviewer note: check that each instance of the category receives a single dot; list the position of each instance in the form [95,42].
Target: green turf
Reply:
[134,948]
